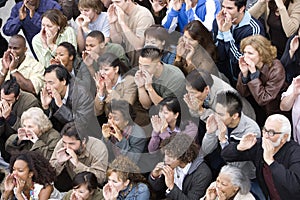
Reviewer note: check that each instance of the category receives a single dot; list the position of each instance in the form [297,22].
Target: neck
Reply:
[182,164]
[159,70]
[172,125]
[239,18]
[130,8]
[64,91]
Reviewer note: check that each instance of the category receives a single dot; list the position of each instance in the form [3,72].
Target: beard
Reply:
[277,143]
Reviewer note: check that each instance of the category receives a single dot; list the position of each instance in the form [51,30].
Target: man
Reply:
[26,16]
[228,124]
[27,70]
[182,12]
[128,22]
[157,80]
[276,158]
[232,24]
[12,105]
[63,100]
[76,154]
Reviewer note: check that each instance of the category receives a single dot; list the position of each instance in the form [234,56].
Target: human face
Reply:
[92,44]
[18,48]
[273,125]
[188,40]
[146,64]
[109,72]
[224,185]
[65,59]
[9,98]
[82,192]
[34,3]
[49,27]
[230,9]
[170,161]
[251,54]
[90,13]
[154,42]
[116,118]
[223,114]
[168,115]
[115,182]
[71,143]
[201,96]
[21,170]
[52,82]
[123,4]
[29,124]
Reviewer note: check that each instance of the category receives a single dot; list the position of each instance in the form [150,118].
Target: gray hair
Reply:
[237,177]
[38,117]
[285,124]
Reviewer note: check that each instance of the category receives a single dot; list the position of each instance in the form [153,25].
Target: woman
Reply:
[36,134]
[121,134]
[31,177]
[262,76]
[196,49]
[282,18]
[125,181]
[66,55]
[54,31]
[113,83]
[85,187]
[231,183]
[169,122]
[91,18]
[156,35]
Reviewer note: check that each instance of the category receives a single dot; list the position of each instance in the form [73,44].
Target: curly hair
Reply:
[180,146]
[37,116]
[126,169]
[266,51]
[43,172]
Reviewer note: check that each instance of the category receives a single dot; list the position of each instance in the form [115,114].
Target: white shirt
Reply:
[180,174]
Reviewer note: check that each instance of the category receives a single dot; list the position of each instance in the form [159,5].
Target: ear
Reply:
[102,45]
[64,82]
[31,174]
[83,140]
[285,137]
[71,57]
[163,43]
[242,9]
[126,183]
[176,115]
[235,115]
[116,69]
[206,89]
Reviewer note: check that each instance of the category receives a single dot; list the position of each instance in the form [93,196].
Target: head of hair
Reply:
[158,32]
[126,170]
[97,5]
[151,52]
[70,48]
[111,60]
[237,177]
[199,32]
[19,37]
[173,105]
[180,146]
[11,87]
[43,172]
[57,18]
[38,117]
[61,72]
[96,34]
[199,79]
[266,51]
[85,178]
[124,108]
[240,3]
[71,130]
[231,100]
[284,122]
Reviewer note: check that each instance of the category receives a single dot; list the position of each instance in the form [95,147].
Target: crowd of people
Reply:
[150,99]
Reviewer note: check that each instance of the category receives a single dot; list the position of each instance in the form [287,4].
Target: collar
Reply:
[64,100]
[118,81]
[176,130]
[245,21]
[184,170]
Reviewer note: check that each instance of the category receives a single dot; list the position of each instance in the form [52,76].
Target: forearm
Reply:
[287,102]
[132,38]
[258,9]
[155,98]
[80,40]
[290,23]
[24,83]
[115,34]
[144,98]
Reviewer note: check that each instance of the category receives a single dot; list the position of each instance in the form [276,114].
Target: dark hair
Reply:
[240,3]
[61,72]
[70,48]
[71,130]
[85,178]
[96,34]
[11,86]
[19,37]
[159,32]
[199,32]
[56,17]
[151,52]
[231,100]
[112,60]
[173,105]
[180,146]
[199,79]
[124,107]
[43,172]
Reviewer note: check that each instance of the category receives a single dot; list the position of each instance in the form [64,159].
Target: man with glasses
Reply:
[276,157]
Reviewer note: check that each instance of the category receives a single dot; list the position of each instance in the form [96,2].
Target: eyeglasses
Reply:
[270,132]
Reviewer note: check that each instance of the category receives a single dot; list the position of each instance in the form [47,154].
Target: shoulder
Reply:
[138,131]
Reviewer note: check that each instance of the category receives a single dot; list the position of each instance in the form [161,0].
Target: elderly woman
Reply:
[231,183]
[262,76]
[36,134]
[54,30]
[125,181]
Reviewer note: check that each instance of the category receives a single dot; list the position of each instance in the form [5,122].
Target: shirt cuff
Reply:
[227,36]
[254,75]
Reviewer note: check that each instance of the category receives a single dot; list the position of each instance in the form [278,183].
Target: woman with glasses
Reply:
[262,76]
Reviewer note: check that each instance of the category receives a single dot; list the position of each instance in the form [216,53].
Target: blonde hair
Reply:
[266,51]
[38,117]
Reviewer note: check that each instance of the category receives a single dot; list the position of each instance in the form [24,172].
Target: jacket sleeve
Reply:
[258,9]
[241,87]
[209,143]
[290,18]
[13,24]
[154,142]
